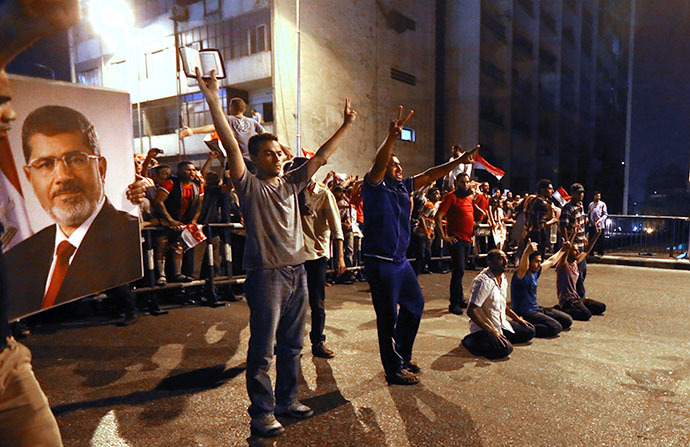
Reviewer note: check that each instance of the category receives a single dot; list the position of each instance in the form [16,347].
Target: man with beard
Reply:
[92,246]
[491,334]
[458,210]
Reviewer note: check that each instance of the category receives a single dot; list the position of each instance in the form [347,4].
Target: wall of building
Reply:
[353,58]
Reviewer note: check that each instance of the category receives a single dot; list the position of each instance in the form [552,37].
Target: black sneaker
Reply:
[457,310]
[322,351]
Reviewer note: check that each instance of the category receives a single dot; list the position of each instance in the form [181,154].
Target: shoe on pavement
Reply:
[295,410]
[402,377]
[412,367]
[128,320]
[322,351]
[158,312]
[266,426]
[457,310]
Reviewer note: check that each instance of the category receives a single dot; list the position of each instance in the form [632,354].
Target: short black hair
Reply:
[212,179]
[55,120]
[493,255]
[543,184]
[183,163]
[533,255]
[256,140]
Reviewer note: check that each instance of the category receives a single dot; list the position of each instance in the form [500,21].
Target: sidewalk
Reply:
[636,260]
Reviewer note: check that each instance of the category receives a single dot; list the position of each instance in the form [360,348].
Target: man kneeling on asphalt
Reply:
[548,322]
[491,334]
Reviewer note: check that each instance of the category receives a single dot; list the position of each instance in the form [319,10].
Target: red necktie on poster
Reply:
[64,251]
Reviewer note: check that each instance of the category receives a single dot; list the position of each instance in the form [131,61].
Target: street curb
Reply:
[672,264]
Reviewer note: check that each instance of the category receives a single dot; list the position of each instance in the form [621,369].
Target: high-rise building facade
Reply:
[542,85]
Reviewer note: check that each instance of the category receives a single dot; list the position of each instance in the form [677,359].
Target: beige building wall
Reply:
[348,51]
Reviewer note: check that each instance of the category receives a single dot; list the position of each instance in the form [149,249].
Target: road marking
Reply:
[107,433]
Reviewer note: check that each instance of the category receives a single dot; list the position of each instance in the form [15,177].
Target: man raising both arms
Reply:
[276,285]
[393,283]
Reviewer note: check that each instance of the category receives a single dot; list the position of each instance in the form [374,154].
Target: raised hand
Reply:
[468,157]
[185,132]
[396,126]
[531,246]
[349,115]
[208,87]
[155,152]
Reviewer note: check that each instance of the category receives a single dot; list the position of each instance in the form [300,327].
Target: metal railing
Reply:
[647,235]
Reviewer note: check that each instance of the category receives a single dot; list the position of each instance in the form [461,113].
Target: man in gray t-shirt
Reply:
[276,284]
[242,127]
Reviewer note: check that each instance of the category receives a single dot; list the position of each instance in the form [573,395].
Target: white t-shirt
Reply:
[244,128]
[492,298]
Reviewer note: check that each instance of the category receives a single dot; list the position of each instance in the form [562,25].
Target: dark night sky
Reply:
[661,92]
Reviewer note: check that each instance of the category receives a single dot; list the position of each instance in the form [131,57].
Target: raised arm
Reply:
[185,131]
[524,259]
[207,164]
[209,87]
[150,156]
[432,174]
[385,151]
[590,245]
[553,260]
[328,148]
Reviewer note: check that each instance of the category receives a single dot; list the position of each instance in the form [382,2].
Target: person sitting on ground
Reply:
[567,274]
[491,334]
[548,322]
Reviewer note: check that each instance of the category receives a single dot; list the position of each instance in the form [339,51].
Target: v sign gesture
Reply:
[396,126]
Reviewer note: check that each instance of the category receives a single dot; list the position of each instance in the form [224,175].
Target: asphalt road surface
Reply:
[621,379]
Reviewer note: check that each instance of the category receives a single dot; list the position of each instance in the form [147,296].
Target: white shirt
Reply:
[463,168]
[75,239]
[492,298]
[323,221]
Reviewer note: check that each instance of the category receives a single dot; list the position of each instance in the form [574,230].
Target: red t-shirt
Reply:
[459,213]
[482,201]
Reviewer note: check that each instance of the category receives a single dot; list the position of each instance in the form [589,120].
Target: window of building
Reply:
[90,77]
[118,75]
[407,134]
[256,39]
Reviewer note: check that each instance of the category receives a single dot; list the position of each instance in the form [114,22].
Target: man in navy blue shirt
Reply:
[386,202]
[548,322]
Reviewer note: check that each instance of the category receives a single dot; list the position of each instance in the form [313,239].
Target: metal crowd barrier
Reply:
[662,235]
[210,279]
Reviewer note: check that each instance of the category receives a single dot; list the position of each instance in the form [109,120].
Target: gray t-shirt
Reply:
[272,219]
[244,128]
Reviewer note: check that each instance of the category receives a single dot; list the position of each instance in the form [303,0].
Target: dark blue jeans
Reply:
[484,343]
[277,309]
[459,252]
[393,285]
[316,282]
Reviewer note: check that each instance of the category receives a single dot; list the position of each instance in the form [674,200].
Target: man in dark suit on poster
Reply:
[92,246]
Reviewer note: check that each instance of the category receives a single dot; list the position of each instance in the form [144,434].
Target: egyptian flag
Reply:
[214,144]
[480,163]
[561,196]
[13,215]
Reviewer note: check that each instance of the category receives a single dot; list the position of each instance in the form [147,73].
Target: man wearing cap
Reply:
[573,220]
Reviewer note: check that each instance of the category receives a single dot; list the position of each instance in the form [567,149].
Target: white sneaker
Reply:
[266,426]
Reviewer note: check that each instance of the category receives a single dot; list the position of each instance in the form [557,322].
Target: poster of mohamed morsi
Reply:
[64,169]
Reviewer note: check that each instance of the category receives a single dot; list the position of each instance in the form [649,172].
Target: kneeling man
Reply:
[548,322]
[491,334]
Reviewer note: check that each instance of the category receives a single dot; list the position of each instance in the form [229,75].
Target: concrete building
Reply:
[540,84]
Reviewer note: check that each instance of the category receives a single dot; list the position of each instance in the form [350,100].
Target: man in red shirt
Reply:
[458,209]
[481,202]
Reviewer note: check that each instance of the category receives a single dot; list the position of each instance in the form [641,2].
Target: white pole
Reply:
[628,124]
[298,149]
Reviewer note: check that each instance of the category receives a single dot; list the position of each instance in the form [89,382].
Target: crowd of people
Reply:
[296,228]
